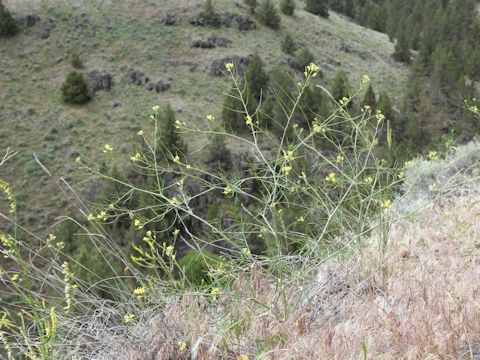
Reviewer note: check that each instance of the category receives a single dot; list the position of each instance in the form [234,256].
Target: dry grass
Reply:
[418,300]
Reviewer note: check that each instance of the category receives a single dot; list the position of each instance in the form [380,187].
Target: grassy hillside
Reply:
[111,35]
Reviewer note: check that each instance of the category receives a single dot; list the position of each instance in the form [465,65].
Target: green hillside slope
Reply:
[116,35]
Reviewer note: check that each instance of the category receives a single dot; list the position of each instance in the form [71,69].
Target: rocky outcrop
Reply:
[210,42]
[138,77]
[217,67]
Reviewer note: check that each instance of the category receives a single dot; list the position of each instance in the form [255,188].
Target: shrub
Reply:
[304,57]
[75,89]
[219,154]
[402,51]
[341,86]
[267,14]
[369,98]
[288,44]
[170,142]
[76,61]
[287,7]
[256,82]
[8,26]
[252,4]
[196,266]
[317,7]
[209,14]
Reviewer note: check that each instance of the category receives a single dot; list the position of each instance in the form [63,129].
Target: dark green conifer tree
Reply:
[289,46]
[8,26]
[288,7]
[341,87]
[370,98]
[317,7]
[402,51]
[169,140]
[209,14]
[75,89]
[268,15]
[256,82]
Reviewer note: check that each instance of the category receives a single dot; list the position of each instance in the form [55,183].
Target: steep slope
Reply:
[116,35]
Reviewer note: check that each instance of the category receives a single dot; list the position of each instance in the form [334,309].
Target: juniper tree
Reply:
[169,140]
[256,82]
[341,87]
[287,7]
[369,98]
[8,26]
[233,113]
[219,155]
[288,44]
[267,14]
[384,104]
[402,51]
[75,89]
[317,7]
[209,14]
[304,57]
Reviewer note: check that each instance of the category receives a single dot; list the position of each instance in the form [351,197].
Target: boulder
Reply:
[99,79]
[217,67]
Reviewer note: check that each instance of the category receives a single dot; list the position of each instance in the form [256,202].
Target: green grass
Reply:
[128,33]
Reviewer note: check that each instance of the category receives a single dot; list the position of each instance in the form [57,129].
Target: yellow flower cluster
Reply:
[386,203]
[139,293]
[311,70]
[210,117]
[228,191]
[331,178]
[5,187]
[365,80]
[248,120]
[229,67]
[137,157]
[432,155]
[379,116]
[107,148]
[69,286]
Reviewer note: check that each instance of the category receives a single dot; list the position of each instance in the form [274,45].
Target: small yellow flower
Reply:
[138,224]
[155,108]
[344,101]
[78,160]
[210,117]
[139,292]
[318,128]
[176,159]
[178,124]
[386,203]
[366,108]
[228,191]
[175,201]
[311,70]
[169,251]
[286,169]
[365,79]
[340,159]
[242,357]
[176,232]
[289,155]
[368,180]
[229,67]
[246,251]
[331,178]
[136,157]
[182,345]
[102,216]
[107,148]
[140,133]
[214,292]
[188,166]
[401,175]
[249,120]
[14,277]
[432,155]
[301,219]
[128,318]
[90,217]
[379,116]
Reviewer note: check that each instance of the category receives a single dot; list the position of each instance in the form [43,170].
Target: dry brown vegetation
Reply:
[416,300]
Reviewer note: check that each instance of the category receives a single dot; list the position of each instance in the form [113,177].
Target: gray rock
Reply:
[217,67]
[31,19]
[99,79]
[167,19]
